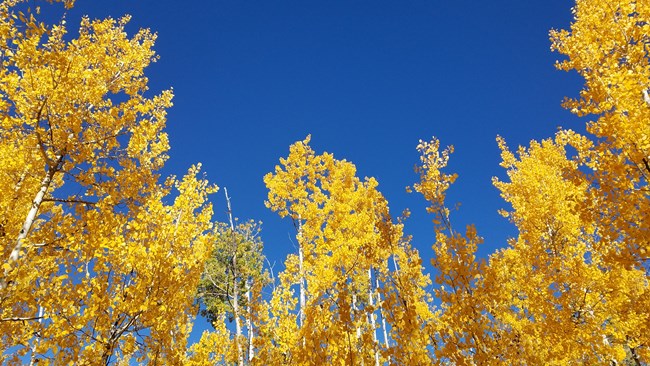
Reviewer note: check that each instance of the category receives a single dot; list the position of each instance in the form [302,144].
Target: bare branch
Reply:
[20,319]
[69,200]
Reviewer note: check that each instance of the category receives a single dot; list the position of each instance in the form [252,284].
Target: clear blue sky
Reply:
[367,79]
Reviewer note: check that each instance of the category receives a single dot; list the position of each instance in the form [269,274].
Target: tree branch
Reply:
[20,319]
[69,200]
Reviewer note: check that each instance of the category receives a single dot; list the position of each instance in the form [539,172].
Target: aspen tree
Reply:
[581,201]
[100,260]
[570,288]
[346,231]
[235,268]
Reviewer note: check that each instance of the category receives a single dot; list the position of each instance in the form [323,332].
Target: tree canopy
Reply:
[108,262]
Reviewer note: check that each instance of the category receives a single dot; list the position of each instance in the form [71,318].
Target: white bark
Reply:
[381,314]
[33,360]
[249,321]
[354,312]
[371,316]
[31,216]
[302,274]
[235,291]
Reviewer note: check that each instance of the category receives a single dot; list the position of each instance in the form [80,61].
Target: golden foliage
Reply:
[354,264]
[109,273]
[100,264]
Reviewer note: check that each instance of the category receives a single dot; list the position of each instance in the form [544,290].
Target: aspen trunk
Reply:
[395,265]
[371,316]
[302,274]
[354,311]
[33,360]
[31,216]
[235,310]
[33,211]
[235,291]
[302,287]
[381,314]
[249,320]
[358,328]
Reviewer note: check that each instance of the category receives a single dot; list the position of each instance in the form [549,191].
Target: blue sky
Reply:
[367,79]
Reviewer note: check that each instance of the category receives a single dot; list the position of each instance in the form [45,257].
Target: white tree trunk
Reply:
[33,360]
[381,313]
[302,274]
[371,316]
[235,291]
[31,216]
[249,321]
[354,312]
